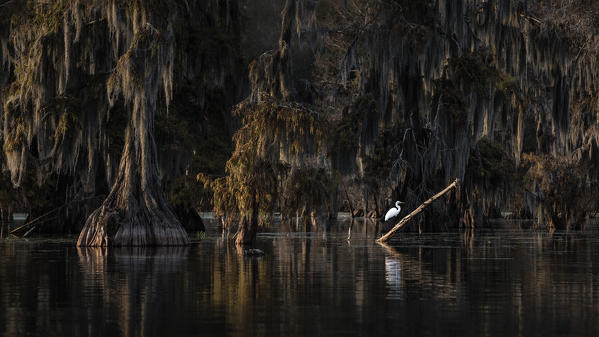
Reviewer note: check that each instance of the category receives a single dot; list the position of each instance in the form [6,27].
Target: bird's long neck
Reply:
[397,204]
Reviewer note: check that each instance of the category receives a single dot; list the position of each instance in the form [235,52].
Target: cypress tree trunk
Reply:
[248,226]
[136,213]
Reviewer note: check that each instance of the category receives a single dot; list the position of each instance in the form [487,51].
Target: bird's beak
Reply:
[401,202]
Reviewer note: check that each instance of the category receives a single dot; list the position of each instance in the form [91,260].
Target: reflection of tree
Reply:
[306,284]
[133,282]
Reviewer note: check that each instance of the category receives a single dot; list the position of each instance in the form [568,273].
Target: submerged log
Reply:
[417,211]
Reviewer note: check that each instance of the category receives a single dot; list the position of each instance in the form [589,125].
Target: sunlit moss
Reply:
[51,16]
[254,171]
[16,136]
[69,120]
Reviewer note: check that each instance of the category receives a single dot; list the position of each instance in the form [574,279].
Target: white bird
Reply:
[393,211]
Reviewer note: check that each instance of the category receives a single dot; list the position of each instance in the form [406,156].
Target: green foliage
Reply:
[308,188]
[451,101]
[475,72]
[36,197]
[202,138]
[490,163]
[184,129]
[173,132]
[345,133]
[377,165]
[506,85]
[189,192]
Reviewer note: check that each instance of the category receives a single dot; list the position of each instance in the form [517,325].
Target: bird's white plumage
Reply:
[393,212]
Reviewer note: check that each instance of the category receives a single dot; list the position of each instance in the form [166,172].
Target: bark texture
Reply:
[136,213]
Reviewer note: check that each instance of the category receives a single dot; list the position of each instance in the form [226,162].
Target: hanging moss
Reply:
[51,16]
[345,133]
[255,168]
[452,104]
[16,137]
[69,121]
[565,197]
[490,164]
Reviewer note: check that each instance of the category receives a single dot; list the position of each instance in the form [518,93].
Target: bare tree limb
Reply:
[417,211]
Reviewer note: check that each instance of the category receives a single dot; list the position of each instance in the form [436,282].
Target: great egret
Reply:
[393,211]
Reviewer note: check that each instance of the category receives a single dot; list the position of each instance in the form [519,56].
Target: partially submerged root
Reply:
[110,227]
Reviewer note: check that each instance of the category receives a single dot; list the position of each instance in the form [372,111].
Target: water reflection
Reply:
[393,277]
[470,284]
[124,287]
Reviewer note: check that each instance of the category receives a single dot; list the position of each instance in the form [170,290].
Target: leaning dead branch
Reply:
[417,210]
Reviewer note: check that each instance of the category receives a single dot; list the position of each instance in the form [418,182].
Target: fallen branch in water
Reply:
[15,230]
[417,210]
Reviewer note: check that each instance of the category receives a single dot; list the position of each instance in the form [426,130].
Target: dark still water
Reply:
[508,283]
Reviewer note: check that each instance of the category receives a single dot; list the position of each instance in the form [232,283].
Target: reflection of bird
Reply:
[393,277]
[393,211]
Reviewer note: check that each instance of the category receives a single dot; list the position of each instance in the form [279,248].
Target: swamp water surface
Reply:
[502,283]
